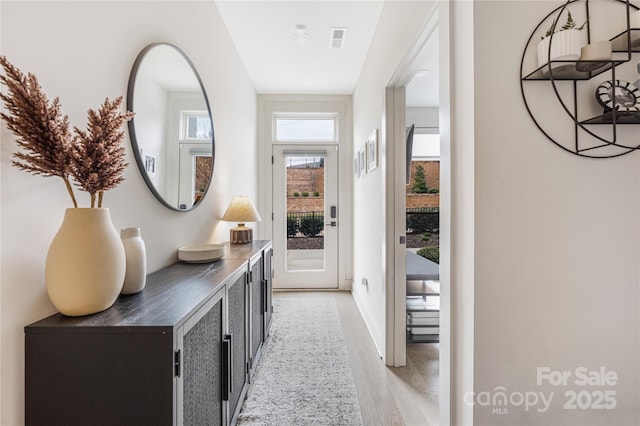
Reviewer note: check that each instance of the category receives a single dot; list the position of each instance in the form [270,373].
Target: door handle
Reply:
[333,213]
[227,370]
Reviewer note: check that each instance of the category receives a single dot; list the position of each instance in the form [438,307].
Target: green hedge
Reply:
[292,226]
[421,222]
[431,253]
[311,225]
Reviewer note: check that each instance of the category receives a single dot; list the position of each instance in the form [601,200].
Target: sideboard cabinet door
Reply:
[257,310]
[200,367]
[115,376]
[238,327]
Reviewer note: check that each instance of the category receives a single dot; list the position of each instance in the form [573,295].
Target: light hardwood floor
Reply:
[388,396]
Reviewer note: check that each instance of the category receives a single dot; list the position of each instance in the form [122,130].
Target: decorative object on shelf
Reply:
[634,22]
[372,150]
[241,210]
[201,253]
[136,260]
[595,134]
[619,95]
[637,82]
[561,44]
[85,265]
[594,56]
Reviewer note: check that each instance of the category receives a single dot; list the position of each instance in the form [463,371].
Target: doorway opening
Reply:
[305,185]
[417,109]
[305,221]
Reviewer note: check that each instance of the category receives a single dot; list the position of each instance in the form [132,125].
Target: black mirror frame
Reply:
[132,130]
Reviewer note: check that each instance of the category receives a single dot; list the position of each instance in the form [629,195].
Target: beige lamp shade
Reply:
[241,210]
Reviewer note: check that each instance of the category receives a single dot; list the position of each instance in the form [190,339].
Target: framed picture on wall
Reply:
[362,158]
[151,164]
[372,150]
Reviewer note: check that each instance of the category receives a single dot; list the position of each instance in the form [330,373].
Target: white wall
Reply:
[399,25]
[556,243]
[83,52]
[422,116]
[151,104]
[457,204]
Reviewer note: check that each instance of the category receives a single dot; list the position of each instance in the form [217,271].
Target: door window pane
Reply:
[305,213]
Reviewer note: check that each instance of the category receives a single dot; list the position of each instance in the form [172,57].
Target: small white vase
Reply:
[136,255]
[85,264]
[565,46]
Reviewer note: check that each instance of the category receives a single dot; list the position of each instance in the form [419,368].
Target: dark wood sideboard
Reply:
[180,352]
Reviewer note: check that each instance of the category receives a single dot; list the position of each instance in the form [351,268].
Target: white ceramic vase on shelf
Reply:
[85,264]
[136,255]
[565,46]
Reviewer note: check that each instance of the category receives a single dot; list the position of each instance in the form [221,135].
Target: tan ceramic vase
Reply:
[86,264]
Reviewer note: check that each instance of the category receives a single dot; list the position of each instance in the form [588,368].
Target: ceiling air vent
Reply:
[338,35]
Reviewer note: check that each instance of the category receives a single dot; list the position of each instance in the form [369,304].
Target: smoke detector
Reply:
[337,37]
[301,35]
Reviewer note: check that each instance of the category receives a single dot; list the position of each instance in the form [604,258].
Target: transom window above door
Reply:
[196,126]
[305,128]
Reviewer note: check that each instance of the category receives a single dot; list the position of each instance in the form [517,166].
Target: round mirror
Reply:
[172,131]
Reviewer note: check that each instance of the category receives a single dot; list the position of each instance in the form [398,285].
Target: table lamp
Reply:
[241,210]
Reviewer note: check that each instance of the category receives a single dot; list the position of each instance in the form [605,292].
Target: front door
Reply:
[305,222]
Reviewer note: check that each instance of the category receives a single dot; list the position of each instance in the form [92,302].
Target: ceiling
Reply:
[278,64]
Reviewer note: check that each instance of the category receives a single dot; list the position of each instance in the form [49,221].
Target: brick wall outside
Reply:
[305,204]
[431,173]
[432,179]
[316,204]
[312,179]
[422,200]
[305,179]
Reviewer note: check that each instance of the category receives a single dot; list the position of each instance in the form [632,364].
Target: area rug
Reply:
[303,377]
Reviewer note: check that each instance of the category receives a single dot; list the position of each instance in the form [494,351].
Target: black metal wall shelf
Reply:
[570,70]
[626,41]
[558,74]
[619,117]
